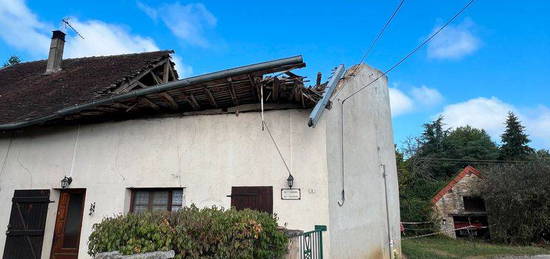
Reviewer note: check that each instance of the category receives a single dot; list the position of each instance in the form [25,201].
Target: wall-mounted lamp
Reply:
[444,221]
[92,208]
[66,181]
[290,181]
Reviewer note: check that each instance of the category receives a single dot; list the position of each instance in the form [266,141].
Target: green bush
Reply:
[192,233]
[518,202]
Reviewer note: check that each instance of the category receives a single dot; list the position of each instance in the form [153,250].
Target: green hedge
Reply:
[192,233]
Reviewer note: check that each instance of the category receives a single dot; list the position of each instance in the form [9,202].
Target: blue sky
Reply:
[494,58]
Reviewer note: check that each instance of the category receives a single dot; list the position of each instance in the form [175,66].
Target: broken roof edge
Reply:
[294,62]
[322,104]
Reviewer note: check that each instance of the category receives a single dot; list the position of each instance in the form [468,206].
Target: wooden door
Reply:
[253,197]
[25,231]
[68,224]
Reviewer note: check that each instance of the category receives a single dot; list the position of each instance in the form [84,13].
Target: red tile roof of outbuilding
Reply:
[466,171]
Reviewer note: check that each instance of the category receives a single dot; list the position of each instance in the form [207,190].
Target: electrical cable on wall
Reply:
[5,160]
[74,150]
[264,126]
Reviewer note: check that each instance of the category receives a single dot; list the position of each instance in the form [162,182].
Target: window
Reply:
[475,204]
[156,200]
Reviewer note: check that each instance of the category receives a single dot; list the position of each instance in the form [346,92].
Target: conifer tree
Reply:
[514,140]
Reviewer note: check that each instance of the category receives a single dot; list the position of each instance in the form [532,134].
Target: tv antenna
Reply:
[66,23]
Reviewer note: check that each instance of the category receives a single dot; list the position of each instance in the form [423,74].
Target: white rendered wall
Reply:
[359,228]
[206,155]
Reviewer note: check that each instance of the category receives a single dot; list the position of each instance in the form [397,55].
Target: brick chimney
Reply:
[56,52]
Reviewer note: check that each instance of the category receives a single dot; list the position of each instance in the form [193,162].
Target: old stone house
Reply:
[86,138]
[459,207]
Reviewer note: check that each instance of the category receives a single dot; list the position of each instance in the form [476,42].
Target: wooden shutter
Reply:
[253,197]
[27,221]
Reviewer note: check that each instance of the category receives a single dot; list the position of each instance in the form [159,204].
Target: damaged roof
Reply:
[107,88]
[27,93]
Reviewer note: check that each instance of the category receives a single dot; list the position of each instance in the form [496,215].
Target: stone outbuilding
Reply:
[459,206]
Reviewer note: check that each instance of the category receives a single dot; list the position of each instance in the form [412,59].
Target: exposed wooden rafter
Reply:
[211,98]
[232,92]
[166,72]
[128,86]
[193,101]
[276,88]
[150,103]
[156,77]
[254,85]
[170,100]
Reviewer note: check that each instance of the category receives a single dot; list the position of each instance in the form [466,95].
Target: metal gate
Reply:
[311,243]
[27,221]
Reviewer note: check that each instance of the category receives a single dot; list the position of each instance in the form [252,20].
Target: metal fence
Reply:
[311,243]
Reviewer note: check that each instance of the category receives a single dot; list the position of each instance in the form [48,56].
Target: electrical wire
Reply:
[277,147]
[472,160]
[376,39]
[343,198]
[426,41]
[379,36]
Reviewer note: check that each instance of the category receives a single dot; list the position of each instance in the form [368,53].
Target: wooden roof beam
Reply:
[193,101]
[166,72]
[211,97]
[254,85]
[276,88]
[170,100]
[156,78]
[232,92]
[150,103]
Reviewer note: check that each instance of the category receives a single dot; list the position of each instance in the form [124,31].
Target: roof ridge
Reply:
[168,51]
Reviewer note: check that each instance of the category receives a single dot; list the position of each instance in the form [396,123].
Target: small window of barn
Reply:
[475,204]
[151,199]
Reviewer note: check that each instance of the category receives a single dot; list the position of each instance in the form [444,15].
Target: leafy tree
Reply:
[514,140]
[517,196]
[470,144]
[12,61]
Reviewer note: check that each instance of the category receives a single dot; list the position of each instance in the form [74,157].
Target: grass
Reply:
[442,247]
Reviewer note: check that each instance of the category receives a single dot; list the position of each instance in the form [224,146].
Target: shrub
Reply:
[192,233]
[518,202]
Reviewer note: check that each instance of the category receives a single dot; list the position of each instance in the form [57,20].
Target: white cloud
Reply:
[490,114]
[427,96]
[454,42]
[400,103]
[22,29]
[183,69]
[418,97]
[101,38]
[188,22]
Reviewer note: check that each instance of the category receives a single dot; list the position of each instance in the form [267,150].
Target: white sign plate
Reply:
[291,194]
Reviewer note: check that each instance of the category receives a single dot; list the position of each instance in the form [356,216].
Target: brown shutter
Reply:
[253,197]
[27,221]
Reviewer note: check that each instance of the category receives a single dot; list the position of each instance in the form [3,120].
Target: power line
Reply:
[381,32]
[472,160]
[343,198]
[414,50]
